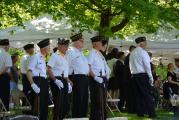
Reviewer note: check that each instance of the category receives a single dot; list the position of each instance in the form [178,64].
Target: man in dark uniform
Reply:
[143,80]
[99,72]
[78,71]
[5,64]
[130,103]
[29,49]
[37,75]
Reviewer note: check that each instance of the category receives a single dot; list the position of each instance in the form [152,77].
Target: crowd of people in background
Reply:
[129,77]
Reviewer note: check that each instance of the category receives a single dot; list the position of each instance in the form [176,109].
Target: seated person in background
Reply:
[172,78]
[15,75]
[157,89]
[177,66]
[167,91]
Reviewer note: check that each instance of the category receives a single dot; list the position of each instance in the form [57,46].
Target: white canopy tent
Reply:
[163,44]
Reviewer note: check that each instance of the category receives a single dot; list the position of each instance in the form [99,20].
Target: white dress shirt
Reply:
[37,65]
[5,59]
[98,63]
[78,63]
[139,62]
[24,63]
[58,64]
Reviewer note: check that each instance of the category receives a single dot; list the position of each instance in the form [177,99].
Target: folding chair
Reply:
[24,117]
[20,100]
[3,111]
[114,101]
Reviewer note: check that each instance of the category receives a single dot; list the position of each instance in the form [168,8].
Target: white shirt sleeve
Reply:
[52,61]
[8,62]
[32,63]
[90,58]
[22,64]
[68,57]
[108,71]
[147,66]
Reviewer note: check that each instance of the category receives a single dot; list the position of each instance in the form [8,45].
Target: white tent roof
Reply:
[164,43]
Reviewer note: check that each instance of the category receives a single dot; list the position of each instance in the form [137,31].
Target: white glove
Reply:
[151,81]
[35,88]
[69,88]
[107,76]
[59,83]
[98,79]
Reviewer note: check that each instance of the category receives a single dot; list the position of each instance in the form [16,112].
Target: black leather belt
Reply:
[139,74]
[59,77]
[81,74]
[37,77]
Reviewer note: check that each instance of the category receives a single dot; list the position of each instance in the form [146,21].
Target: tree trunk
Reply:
[105,24]
[105,21]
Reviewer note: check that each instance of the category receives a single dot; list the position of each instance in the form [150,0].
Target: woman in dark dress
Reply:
[172,78]
[113,86]
[111,60]
[119,72]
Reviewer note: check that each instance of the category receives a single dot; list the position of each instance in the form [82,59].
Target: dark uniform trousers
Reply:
[27,88]
[98,100]
[123,96]
[130,98]
[26,84]
[60,99]
[40,101]
[144,100]
[5,89]
[80,95]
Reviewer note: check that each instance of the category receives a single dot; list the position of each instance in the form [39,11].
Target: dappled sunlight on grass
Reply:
[162,114]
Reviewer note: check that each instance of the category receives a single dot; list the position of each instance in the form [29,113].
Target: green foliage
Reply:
[20,53]
[16,50]
[128,16]
[161,71]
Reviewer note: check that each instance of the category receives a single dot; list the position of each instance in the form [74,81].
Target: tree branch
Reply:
[119,26]
[1,6]
[90,7]
[117,13]
[94,2]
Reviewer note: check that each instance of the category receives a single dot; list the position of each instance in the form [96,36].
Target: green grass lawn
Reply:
[163,115]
